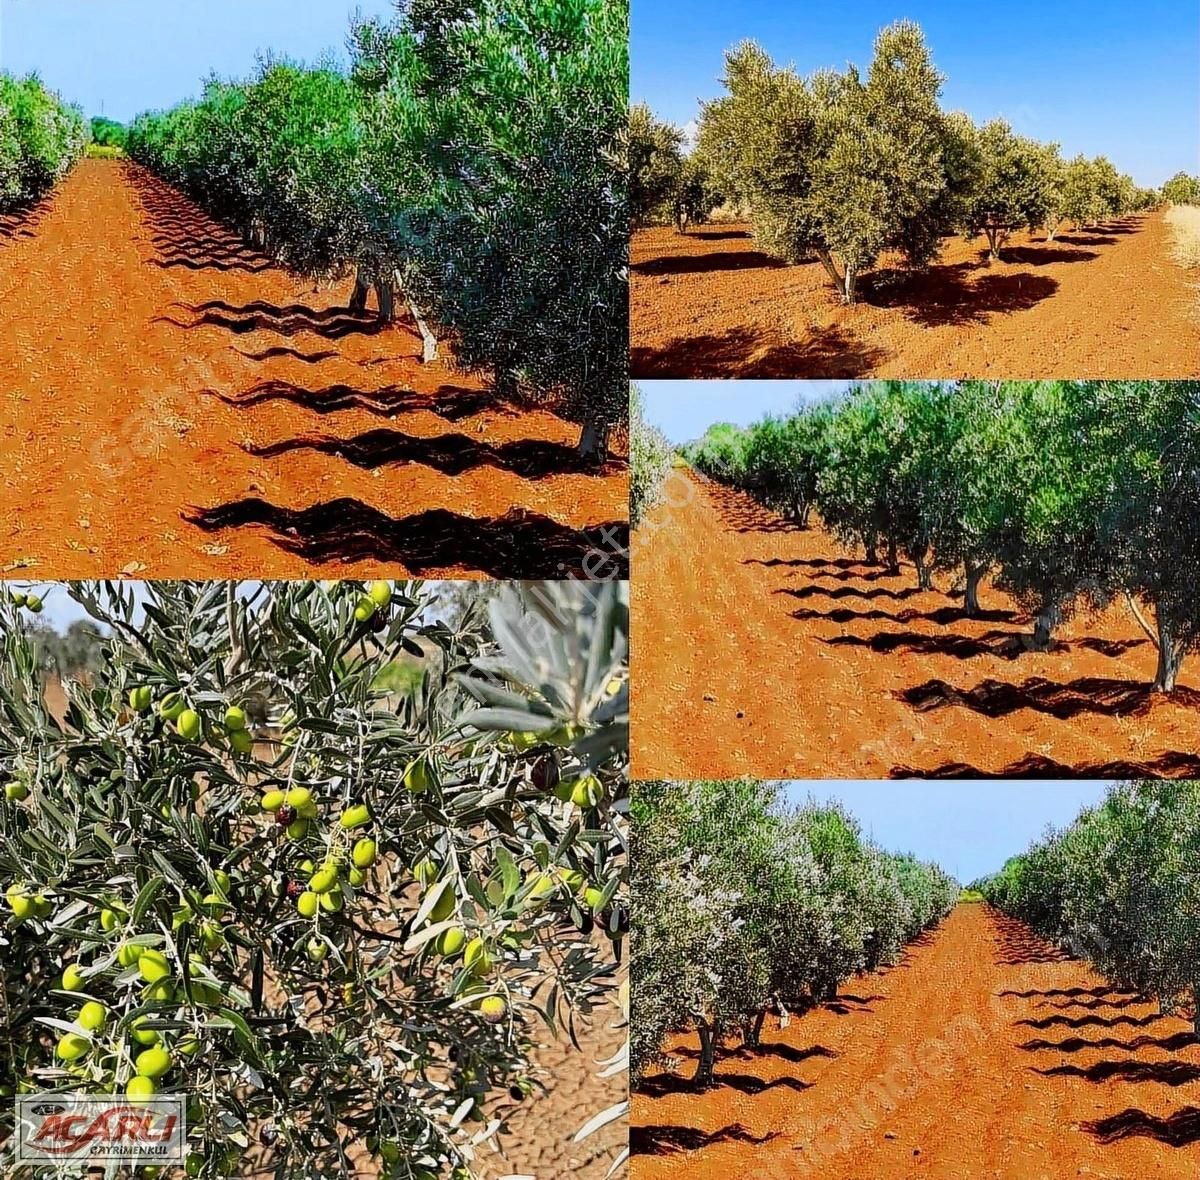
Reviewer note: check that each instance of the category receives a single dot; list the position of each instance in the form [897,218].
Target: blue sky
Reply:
[1102,78]
[684,410]
[969,828]
[121,57]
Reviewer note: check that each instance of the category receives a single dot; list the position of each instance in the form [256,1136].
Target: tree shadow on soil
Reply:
[766,1049]
[943,295]
[449,402]
[742,514]
[1043,1023]
[184,236]
[451,454]
[1173,1043]
[1086,240]
[685,264]
[520,544]
[942,615]
[1044,255]
[660,1140]
[1180,1129]
[309,358]
[1071,993]
[829,352]
[1165,1073]
[1017,944]
[1171,764]
[23,223]
[847,592]
[842,563]
[332,323]
[846,575]
[1085,695]
[1005,645]
[665,1084]
[719,235]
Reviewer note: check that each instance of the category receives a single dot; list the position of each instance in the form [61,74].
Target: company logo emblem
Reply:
[71,1127]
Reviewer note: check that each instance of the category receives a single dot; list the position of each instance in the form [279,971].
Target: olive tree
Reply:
[1120,887]
[837,166]
[1011,184]
[1182,189]
[742,904]
[313,856]
[649,460]
[655,162]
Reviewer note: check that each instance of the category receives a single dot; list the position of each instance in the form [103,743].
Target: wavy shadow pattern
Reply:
[1171,764]
[520,544]
[1087,694]
[452,454]
[1179,1129]
[450,402]
[659,1140]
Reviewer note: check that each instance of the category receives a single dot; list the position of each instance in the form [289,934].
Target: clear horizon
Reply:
[83,49]
[683,410]
[1102,79]
[969,828]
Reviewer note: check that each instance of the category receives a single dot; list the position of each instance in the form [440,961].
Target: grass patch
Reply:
[972,896]
[96,151]
[1184,221]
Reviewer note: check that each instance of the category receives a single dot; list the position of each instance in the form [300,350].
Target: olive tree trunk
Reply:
[971,596]
[708,1042]
[1170,657]
[893,558]
[1043,628]
[924,569]
[593,441]
[844,280]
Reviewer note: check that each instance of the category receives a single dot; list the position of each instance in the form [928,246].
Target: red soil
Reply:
[173,400]
[984,1053]
[767,650]
[1107,302]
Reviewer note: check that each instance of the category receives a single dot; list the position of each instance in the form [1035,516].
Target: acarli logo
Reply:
[66,1127]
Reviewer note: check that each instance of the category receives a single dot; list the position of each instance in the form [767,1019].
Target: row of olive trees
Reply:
[842,167]
[1182,189]
[239,865]
[1120,886]
[1070,494]
[471,162]
[41,137]
[650,460]
[742,905]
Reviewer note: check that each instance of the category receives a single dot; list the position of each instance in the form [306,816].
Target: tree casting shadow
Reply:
[1176,1130]
[684,264]
[449,402]
[451,454]
[1171,764]
[944,295]
[520,544]
[739,352]
[1087,694]
[660,1140]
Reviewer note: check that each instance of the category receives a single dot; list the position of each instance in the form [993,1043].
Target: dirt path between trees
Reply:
[768,650]
[984,1053]
[171,399]
[1105,302]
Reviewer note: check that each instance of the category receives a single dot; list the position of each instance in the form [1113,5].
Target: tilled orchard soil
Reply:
[769,650]
[171,400]
[1103,302]
[985,1053]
